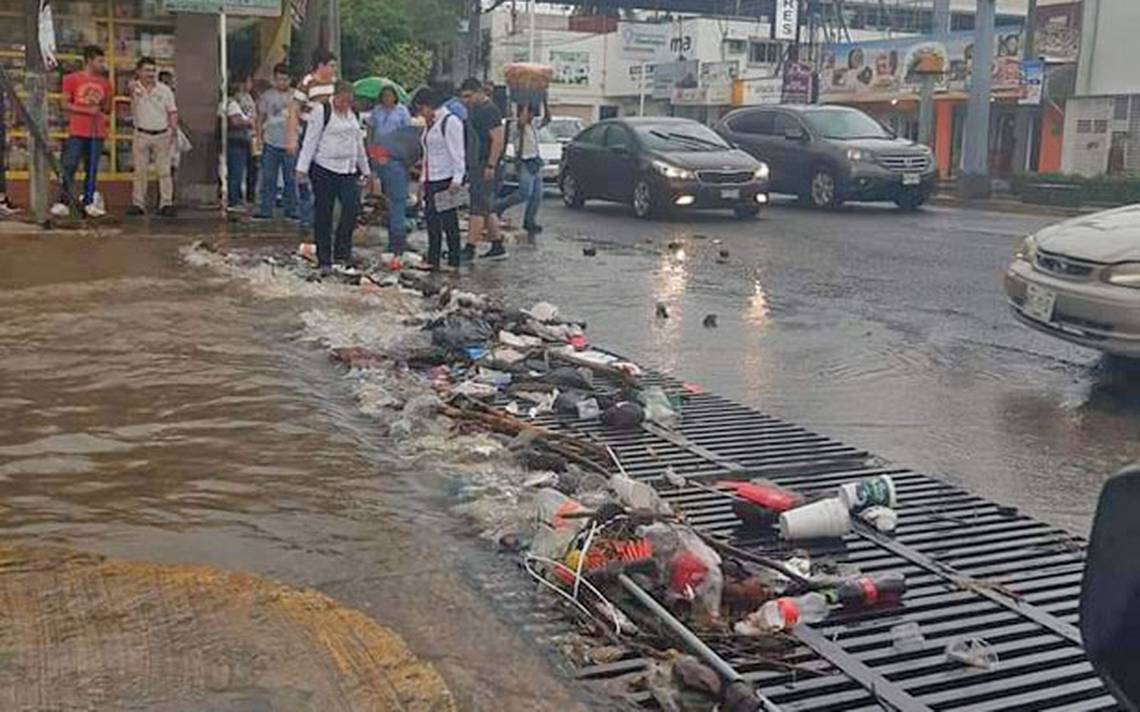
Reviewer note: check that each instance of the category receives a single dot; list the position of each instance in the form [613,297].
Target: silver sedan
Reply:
[1079,280]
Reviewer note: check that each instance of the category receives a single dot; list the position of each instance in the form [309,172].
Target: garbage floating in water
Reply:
[460,373]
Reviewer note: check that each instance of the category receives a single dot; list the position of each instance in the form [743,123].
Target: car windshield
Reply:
[559,130]
[845,124]
[680,137]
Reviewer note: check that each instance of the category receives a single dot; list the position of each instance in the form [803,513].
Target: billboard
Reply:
[671,76]
[264,8]
[884,69]
[797,83]
[644,42]
[571,68]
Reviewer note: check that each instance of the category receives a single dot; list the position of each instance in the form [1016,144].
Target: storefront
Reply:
[883,78]
[127,30]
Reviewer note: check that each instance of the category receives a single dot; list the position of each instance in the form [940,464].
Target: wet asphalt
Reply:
[887,330]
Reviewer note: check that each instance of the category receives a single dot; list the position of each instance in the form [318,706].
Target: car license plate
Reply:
[1039,303]
[730,193]
[912,178]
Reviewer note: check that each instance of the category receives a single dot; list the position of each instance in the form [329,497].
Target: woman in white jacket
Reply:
[443,170]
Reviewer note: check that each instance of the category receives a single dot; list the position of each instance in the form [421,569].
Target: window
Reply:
[617,137]
[753,122]
[1084,126]
[764,52]
[961,21]
[592,135]
[1120,108]
[735,46]
[783,123]
[1100,126]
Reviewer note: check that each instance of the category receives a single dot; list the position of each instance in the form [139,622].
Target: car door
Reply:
[584,157]
[752,131]
[793,157]
[620,163]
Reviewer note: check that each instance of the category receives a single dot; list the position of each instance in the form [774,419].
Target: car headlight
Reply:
[673,172]
[761,172]
[857,154]
[1124,275]
[1026,249]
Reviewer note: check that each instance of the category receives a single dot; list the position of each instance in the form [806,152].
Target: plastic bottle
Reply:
[784,613]
[871,590]
[637,495]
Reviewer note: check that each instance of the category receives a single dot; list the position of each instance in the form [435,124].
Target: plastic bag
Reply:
[658,408]
[638,495]
[695,576]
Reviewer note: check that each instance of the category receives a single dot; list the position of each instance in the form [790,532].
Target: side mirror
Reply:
[795,133]
[1110,591]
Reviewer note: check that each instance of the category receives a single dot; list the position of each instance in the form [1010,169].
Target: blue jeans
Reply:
[237,155]
[529,192]
[89,151]
[305,203]
[394,182]
[274,160]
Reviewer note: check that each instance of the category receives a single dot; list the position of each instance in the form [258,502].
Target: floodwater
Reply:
[165,413]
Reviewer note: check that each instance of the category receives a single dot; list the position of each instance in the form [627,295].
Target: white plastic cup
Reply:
[825,519]
[878,491]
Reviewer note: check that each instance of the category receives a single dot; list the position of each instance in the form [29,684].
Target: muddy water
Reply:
[157,412]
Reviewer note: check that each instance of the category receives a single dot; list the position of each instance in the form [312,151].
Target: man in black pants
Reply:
[7,210]
[334,151]
[443,169]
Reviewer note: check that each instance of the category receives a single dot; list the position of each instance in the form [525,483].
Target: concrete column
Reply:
[975,179]
[35,84]
[196,54]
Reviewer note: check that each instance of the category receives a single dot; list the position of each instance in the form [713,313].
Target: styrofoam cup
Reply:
[825,519]
[878,491]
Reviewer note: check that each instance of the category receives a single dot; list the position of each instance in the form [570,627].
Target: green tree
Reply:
[385,32]
[407,64]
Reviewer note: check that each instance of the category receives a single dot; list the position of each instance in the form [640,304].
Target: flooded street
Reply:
[164,412]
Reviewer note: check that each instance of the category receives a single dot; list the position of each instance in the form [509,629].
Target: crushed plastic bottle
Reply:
[871,590]
[659,409]
[782,614]
[638,495]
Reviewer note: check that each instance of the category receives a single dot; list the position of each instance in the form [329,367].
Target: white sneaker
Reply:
[60,210]
[7,211]
[94,211]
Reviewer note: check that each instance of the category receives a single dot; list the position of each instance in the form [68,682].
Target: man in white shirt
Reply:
[333,159]
[444,167]
[156,131]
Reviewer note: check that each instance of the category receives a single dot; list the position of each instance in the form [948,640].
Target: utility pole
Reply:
[975,179]
[334,28]
[530,32]
[35,84]
[1024,120]
[926,106]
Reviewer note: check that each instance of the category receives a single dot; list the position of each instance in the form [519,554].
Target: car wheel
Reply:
[822,189]
[644,205]
[571,195]
[910,201]
[746,212]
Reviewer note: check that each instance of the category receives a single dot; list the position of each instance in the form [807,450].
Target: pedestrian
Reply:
[484,139]
[443,170]
[389,116]
[155,139]
[248,100]
[272,114]
[7,210]
[314,90]
[181,141]
[529,163]
[87,101]
[240,127]
[334,160]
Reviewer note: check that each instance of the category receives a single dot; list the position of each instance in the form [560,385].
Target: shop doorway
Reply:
[1003,141]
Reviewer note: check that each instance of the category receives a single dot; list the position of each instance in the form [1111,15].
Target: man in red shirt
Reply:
[87,101]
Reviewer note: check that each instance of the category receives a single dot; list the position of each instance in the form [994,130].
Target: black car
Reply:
[829,154]
[658,164]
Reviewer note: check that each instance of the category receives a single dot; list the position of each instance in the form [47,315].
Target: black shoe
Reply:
[497,252]
[468,254]
[167,211]
[533,229]
[135,211]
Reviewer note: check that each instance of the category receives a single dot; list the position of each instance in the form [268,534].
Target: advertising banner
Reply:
[671,76]
[797,83]
[570,67]
[644,42]
[756,92]
[787,19]
[884,69]
[1032,81]
[263,8]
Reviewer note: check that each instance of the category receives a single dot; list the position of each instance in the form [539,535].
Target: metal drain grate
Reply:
[973,567]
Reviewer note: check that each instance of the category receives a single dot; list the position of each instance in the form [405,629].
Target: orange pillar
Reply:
[943,135]
[1052,133]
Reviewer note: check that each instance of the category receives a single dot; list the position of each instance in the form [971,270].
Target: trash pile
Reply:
[476,373]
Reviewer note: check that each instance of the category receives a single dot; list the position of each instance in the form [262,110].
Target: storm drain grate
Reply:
[974,568]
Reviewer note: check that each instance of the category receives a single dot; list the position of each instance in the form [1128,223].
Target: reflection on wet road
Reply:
[884,329]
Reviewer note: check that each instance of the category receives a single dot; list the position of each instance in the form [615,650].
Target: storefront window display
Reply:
[125,29]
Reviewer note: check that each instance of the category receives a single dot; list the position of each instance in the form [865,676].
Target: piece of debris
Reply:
[710,321]
[722,256]
[662,311]
[590,251]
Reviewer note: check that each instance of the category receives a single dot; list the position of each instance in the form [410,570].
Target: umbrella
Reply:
[370,88]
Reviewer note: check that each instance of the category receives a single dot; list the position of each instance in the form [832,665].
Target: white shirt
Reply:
[445,153]
[151,108]
[338,147]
